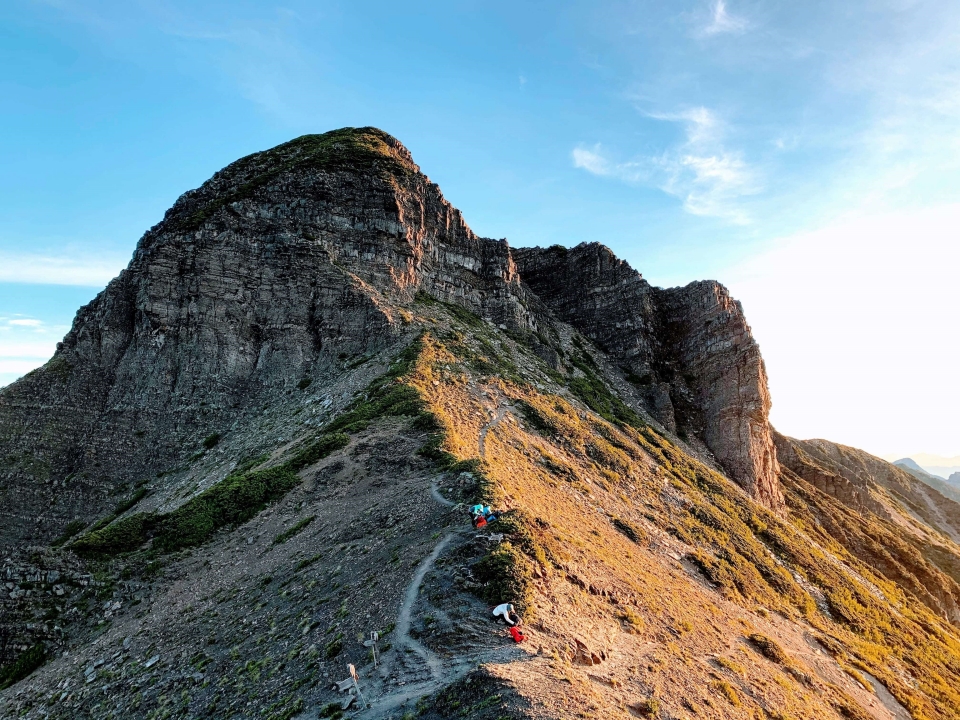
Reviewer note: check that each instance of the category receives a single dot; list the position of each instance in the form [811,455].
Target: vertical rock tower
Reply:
[689,350]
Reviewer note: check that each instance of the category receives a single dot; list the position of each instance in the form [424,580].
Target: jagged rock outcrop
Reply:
[825,466]
[283,263]
[689,349]
[288,262]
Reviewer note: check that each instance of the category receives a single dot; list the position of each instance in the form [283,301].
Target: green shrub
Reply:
[387,400]
[728,691]
[332,711]
[232,501]
[631,531]
[527,534]
[317,450]
[769,648]
[71,529]
[122,536]
[304,383]
[334,647]
[291,531]
[25,664]
[648,707]
[211,440]
[433,450]
[506,576]
[595,394]
[851,711]
[125,505]
[307,562]
[537,420]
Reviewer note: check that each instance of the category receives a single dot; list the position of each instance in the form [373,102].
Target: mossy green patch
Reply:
[595,394]
[71,529]
[293,530]
[506,575]
[231,502]
[317,450]
[26,663]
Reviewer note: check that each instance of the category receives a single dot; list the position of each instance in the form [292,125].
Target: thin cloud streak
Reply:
[709,179]
[723,22]
[58,270]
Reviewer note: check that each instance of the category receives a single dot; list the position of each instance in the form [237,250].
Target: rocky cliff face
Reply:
[271,418]
[290,260]
[688,349]
[280,266]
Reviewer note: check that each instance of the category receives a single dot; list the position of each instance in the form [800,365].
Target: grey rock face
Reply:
[274,270]
[689,348]
[289,262]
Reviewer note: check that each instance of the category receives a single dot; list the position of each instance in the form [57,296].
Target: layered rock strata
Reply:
[281,265]
[689,349]
[290,262]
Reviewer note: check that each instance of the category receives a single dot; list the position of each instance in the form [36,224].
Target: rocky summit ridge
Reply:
[255,446]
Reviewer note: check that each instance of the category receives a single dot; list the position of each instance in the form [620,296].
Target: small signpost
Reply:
[372,644]
[353,676]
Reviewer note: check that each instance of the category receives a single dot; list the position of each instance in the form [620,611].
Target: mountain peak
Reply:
[254,449]
[348,149]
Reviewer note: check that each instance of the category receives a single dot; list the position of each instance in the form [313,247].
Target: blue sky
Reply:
[805,153]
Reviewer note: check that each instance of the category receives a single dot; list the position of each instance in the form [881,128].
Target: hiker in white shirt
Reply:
[508,614]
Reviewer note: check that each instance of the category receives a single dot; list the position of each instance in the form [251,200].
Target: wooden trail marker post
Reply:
[372,644]
[353,676]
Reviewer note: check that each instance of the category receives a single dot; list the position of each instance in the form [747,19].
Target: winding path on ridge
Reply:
[442,672]
[481,440]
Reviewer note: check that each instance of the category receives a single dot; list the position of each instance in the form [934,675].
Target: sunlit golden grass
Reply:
[577,475]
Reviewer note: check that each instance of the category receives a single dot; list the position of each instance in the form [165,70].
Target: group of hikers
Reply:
[481,516]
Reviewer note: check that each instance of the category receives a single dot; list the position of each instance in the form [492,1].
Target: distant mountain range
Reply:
[951,473]
[939,465]
[949,487]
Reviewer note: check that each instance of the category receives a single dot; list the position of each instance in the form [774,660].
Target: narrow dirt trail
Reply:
[942,520]
[436,495]
[442,672]
[481,440]
[397,663]
[406,609]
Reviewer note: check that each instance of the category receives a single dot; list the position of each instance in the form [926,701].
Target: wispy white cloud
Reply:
[701,124]
[592,160]
[27,344]
[721,21]
[28,349]
[710,185]
[50,269]
[17,368]
[709,179]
